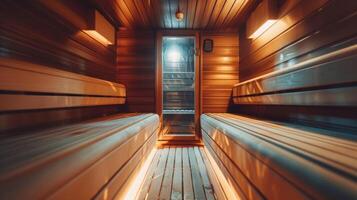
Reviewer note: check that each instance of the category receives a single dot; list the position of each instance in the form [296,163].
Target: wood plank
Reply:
[236,8]
[183,8]
[154,191]
[224,13]
[93,150]
[187,179]
[121,177]
[177,190]
[232,186]
[217,186]
[219,71]
[200,10]
[310,161]
[311,33]
[173,5]
[28,77]
[198,13]
[34,102]
[191,10]
[215,13]
[196,177]
[137,69]
[205,178]
[166,186]
[38,32]
[210,5]
[145,186]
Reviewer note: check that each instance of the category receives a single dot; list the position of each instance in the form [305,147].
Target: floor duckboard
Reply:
[180,173]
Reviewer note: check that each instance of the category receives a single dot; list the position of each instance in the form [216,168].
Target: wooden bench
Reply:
[291,160]
[88,160]
[81,161]
[319,91]
[266,160]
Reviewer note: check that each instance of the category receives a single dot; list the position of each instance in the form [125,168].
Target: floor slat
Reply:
[178,173]
[165,192]
[187,181]
[205,178]
[149,174]
[196,177]
[218,188]
[177,192]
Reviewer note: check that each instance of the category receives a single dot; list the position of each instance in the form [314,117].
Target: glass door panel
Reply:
[178,80]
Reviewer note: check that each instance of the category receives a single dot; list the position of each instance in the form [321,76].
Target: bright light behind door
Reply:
[173,54]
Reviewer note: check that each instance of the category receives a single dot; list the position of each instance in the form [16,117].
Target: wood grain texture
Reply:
[50,34]
[318,36]
[219,71]
[136,69]
[103,150]
[303,31]
[160,14]
[181,171]
[255,146]
[20,76]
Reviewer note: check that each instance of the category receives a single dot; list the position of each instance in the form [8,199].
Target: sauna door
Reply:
[179,87]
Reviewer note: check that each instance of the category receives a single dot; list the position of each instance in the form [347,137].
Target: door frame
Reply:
[158,80]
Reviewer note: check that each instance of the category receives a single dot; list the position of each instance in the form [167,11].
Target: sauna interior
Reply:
[178,99]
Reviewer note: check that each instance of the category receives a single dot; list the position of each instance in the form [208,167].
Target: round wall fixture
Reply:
[179,15]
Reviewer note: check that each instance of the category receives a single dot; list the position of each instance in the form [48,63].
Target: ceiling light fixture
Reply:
[179,14]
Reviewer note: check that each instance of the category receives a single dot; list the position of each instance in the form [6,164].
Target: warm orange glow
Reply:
[226,184]
[97,36]
[262,29]
[135,185]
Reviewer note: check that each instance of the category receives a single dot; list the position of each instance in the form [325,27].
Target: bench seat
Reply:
[88,160]
[266,160]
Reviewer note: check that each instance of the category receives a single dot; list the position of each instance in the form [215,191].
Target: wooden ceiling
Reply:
[160,14]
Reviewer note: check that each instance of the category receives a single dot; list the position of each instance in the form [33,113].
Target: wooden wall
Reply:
[219,71]
[50,33]
[304,31]
[136,68]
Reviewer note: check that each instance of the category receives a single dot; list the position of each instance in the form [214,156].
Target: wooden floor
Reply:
[180,173]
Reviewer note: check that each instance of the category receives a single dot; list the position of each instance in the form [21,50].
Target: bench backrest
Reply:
[306,90]
[30,87]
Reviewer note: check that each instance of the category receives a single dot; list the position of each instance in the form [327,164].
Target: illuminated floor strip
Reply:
[226,185]
[177,172]
[139,179]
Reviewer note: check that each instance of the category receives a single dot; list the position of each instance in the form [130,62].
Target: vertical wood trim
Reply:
[159,74]
[198,81]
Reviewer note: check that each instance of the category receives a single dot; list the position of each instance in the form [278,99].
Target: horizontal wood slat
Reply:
[27,86]
[298,35]
[51,33]
[324,80]
[219,71]
[23,76]
[36,102]
[45,51]
[91,155]
[136,70]
[301,163]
